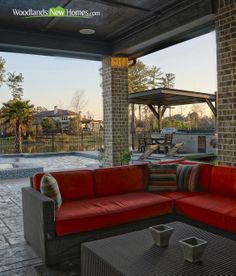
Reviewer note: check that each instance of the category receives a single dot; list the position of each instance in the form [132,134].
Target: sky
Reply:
[50,81]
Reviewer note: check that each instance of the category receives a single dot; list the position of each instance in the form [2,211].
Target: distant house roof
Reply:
[51,113]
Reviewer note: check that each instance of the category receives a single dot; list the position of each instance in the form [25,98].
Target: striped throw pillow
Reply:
[49,187]
[188,177]
[162,177]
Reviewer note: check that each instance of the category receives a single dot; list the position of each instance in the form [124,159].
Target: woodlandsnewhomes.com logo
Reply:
[55,12]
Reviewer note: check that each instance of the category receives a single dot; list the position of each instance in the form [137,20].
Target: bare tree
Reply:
[78,101]
[200,109]
[60,105]
[194,120]
[89,115]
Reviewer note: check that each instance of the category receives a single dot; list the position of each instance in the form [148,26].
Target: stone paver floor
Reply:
[16,257]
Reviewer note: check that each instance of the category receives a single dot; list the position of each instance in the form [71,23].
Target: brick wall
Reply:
[115,108]
[226,73]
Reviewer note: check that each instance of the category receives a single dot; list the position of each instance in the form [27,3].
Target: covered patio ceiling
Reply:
[124,28]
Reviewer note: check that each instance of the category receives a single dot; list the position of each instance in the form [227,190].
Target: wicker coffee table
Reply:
[135,254]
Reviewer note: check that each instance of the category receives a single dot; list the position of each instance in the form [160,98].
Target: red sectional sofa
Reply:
[216,206]
[104,202]
[103,198]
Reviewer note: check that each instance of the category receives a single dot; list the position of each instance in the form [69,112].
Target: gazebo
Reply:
[166,97]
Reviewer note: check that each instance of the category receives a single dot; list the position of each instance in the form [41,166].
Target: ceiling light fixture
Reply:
[87,31]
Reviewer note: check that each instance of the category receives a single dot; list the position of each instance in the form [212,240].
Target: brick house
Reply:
[63,117]
[60,116]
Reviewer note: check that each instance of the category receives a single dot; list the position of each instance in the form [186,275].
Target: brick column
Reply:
[226,69]
[115,108]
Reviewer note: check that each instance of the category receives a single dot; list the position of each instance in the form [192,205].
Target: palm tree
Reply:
[19,115]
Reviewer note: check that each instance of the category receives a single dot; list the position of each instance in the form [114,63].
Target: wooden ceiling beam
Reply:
[166,30]
[154,13]
[52,45]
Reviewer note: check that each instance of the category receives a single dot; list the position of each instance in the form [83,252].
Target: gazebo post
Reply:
[155,113]
[158,114]
[160,118]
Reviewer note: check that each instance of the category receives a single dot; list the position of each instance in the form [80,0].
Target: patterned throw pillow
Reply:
[187,177]
[162,177]
[49,187]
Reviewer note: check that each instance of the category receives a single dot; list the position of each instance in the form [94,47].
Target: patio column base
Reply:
[115,108]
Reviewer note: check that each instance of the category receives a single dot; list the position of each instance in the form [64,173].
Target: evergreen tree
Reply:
[2,71]
[48,125]
[168,80]
[18,114]
[154,77]
[14,83]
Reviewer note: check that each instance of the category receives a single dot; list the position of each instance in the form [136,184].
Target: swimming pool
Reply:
[25,165]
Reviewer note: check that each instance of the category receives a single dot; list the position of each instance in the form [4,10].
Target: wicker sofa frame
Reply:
[39,229]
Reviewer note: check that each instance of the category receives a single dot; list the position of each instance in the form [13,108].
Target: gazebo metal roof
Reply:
[170,97]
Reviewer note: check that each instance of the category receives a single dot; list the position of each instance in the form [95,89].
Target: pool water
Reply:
[52,163]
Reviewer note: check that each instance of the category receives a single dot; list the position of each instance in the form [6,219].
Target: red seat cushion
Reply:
[178,195]
[223,181]
[73,185]
[210,209]
[231,221]
[119,180]
[91,214]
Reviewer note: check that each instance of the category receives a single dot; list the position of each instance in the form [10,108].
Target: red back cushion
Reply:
[223,180]
[119,180]
[73,185]
[205,177]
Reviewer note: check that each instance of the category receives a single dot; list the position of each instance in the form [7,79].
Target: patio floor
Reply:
[16,257]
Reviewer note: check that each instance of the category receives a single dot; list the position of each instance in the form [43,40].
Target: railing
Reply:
[55,143]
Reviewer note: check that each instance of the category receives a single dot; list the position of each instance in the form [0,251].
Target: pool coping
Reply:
[87,154]
[16,173]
